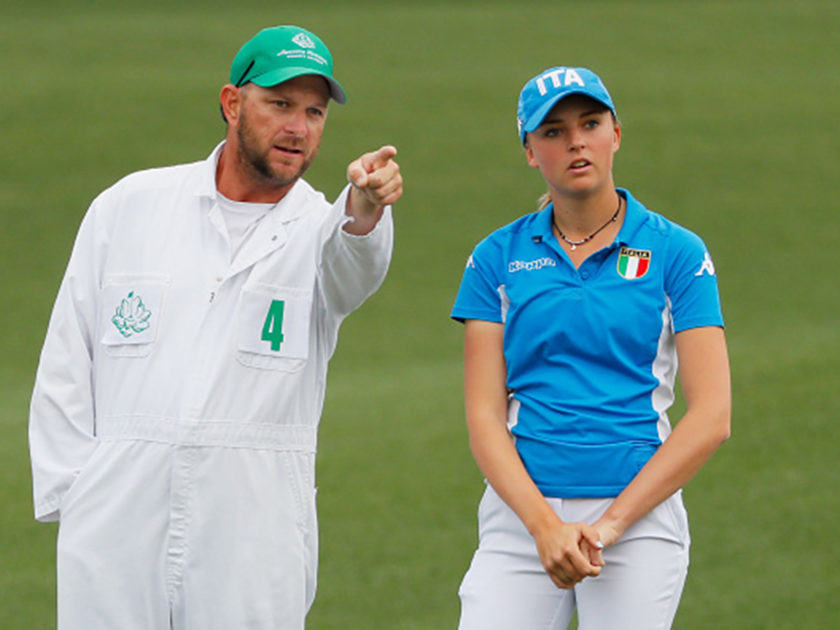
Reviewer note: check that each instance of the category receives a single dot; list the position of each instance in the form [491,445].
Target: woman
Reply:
[575,318]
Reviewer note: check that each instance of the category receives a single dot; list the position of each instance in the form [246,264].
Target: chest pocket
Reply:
[131,307]
[274,327]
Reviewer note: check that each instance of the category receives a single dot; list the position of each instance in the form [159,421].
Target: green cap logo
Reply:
[280,53]
[302,40]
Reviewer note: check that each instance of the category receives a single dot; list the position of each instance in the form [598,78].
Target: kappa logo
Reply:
[131,315]
[530,265]
[561,77]
[707,267]
[633,263]
[303,40]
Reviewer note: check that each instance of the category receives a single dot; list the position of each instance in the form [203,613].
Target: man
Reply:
[174,416]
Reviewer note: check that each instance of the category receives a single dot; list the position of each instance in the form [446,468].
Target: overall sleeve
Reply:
[353,267]
[61,422]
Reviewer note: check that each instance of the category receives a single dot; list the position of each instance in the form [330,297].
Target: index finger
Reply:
[594,553]
[581,560]
[380,157]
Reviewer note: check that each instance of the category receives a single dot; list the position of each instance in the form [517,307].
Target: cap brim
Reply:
[538,116]
[276,77]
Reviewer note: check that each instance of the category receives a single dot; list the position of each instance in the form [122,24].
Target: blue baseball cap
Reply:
[546,89]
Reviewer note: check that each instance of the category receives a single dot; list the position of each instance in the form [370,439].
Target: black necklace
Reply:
[574,244]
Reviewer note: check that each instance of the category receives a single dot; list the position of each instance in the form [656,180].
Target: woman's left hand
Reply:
[607,532]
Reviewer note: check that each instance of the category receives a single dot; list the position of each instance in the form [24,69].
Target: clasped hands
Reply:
[570,552]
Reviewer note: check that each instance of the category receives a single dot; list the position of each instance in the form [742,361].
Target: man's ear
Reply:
[230,101]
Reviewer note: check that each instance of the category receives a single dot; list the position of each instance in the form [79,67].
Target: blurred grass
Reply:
[729,128]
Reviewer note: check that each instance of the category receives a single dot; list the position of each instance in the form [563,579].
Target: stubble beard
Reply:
[255,162]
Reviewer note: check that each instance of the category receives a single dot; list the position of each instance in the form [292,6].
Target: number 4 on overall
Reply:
[273,327]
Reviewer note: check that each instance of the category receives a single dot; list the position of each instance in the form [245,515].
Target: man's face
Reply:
[279,129]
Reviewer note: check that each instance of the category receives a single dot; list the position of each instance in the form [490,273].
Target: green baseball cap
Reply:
[280,53]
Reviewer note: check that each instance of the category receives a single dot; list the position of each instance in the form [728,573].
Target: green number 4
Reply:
[273,327]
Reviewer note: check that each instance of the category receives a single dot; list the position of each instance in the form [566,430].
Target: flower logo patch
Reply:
[131,315]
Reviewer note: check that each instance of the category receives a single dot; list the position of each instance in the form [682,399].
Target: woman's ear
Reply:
[529,155]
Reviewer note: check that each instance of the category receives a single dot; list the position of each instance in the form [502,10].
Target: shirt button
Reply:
[584,275]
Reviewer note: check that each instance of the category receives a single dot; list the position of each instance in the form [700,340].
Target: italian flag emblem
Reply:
[633,263]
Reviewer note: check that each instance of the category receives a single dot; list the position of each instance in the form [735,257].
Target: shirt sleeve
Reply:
[61,422]
[481,295]
[691,284]
[353,267]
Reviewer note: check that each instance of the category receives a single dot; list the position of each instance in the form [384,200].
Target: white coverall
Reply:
[175,410]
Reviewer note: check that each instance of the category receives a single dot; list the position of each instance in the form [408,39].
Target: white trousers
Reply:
[506,587]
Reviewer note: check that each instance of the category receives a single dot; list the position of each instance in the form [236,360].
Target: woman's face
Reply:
[574,147]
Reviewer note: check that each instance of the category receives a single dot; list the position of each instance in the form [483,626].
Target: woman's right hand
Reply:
[569,552]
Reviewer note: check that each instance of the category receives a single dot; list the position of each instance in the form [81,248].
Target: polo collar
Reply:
[634,216]
[543,226]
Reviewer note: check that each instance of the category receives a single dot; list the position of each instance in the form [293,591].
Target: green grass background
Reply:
[730,128]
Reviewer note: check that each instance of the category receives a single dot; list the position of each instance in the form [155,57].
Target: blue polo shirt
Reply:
[589,351]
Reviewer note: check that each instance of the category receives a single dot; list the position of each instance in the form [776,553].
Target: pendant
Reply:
[574,247]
